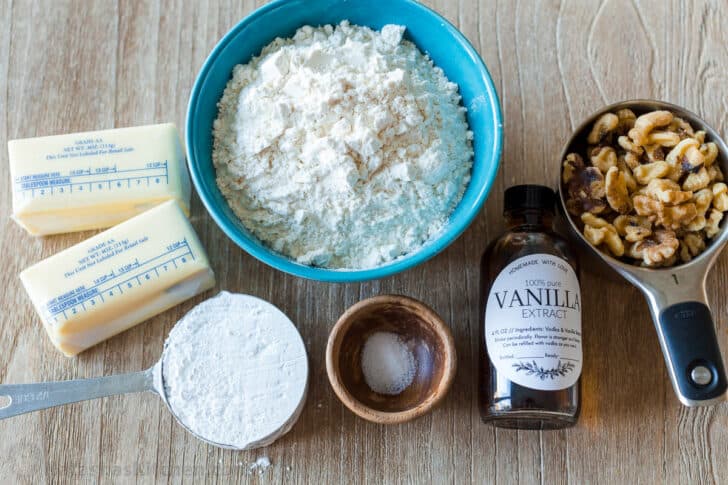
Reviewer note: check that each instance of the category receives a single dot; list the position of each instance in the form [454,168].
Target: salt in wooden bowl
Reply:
[425,334]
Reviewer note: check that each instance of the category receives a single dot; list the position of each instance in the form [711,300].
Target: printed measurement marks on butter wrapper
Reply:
[109,285]
[92,179]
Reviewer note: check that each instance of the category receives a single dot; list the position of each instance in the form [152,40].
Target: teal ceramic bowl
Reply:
[434,35]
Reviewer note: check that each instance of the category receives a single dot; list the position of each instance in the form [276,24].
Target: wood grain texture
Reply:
[70,65]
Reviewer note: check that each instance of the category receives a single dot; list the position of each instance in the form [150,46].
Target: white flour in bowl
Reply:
[342,147]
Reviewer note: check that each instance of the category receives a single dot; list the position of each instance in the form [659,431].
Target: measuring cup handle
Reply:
[24,398]
[691,348]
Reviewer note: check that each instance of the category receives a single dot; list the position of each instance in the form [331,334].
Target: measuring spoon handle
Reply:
[691,349]
[679,306]
[18,399]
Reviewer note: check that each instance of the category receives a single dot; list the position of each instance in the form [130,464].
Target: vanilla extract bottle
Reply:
[530,346]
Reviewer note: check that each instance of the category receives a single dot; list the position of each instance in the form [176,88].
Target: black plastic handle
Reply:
[692,345]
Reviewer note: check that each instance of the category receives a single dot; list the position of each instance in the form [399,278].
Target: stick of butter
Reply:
[118,278]
[94,180]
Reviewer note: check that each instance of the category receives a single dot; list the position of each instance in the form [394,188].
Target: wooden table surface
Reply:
[70,66]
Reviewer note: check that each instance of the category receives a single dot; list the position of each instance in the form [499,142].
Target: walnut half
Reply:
[656,250]
[617,193]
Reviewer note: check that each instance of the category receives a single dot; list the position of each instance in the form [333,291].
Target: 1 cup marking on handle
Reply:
[674,277]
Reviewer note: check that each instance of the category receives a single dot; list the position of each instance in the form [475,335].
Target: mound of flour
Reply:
[342,147]
[235,371]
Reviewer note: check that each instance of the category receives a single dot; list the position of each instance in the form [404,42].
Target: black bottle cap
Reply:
[529,197]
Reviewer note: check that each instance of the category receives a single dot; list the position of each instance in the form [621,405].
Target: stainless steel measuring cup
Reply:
[676,296]
[18,399]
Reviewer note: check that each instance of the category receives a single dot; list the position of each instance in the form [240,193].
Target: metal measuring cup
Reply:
[18,399]
[676,296]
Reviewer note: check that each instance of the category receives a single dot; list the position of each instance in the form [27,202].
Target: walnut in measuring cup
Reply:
[648,189]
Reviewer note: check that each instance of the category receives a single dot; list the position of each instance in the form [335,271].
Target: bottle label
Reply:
[533,323]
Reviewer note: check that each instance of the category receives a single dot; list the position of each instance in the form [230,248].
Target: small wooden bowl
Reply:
[422,330]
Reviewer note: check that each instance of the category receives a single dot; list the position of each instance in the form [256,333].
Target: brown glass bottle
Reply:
[535,306]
